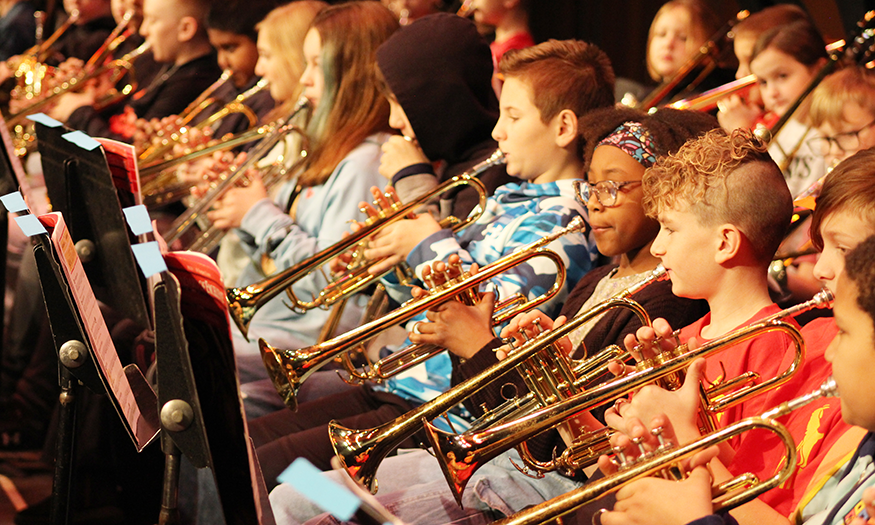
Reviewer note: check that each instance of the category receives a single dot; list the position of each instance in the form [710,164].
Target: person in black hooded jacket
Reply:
[439,76]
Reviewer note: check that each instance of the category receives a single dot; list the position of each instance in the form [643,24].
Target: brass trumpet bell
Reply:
[462,454]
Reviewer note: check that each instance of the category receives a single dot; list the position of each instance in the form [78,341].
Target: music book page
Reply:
[110,368]
[202,288]
[122,160]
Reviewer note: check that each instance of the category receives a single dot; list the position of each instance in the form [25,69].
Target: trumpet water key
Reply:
[361,451]
[666,460]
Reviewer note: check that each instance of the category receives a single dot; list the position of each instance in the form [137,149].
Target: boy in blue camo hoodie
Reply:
[546,89]
[545,92]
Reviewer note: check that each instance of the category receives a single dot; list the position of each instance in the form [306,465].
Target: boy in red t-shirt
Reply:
[723,207]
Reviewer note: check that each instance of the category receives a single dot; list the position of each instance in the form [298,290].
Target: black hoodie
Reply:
[440,70]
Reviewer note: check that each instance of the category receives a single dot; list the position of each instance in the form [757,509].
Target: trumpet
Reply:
[361,451]
[164,187]
[406,358]
[461,455]
[709,99]
[695,70]
[244,302]
[226,143]
[196,214]
[289,368]
[666,460]
[117,68]
[159,151]
[116,38]
[29,69]
[194,108]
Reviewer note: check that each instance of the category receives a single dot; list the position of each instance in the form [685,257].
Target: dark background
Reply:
[620,27]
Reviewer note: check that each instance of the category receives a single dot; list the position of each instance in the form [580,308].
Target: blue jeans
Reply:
[413,488]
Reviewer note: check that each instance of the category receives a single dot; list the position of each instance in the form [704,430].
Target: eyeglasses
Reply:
[849,141]
[605,191]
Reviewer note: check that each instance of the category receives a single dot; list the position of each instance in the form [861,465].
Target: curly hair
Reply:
[724,178]
[669,128]
[860,270]
[849,187]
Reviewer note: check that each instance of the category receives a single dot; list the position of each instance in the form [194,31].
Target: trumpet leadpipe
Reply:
[709,99]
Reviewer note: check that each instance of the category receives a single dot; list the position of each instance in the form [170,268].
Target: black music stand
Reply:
[196,360]
[77,363]
[81,187]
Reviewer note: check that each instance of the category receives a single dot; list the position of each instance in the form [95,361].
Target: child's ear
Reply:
[730,242]
[187,29]
[566,128]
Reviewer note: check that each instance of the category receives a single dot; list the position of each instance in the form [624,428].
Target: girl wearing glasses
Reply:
[620,144]
[843,111]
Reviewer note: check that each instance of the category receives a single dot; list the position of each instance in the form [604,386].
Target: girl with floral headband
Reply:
[619,145]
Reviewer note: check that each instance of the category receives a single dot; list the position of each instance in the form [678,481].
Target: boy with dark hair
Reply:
[231,30]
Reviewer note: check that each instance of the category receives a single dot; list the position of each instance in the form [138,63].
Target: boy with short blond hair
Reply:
[843,110]
[845,495]
[725,178]
[176,31]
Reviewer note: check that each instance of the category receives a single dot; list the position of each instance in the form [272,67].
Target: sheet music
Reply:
[200,277]
[122,160]
[110,367]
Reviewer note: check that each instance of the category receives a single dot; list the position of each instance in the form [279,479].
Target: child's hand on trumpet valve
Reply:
[654,500]
[529,324]
[228,211]
[393,243]
[461,329]
[202,174]
[680,407]
[646,343]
